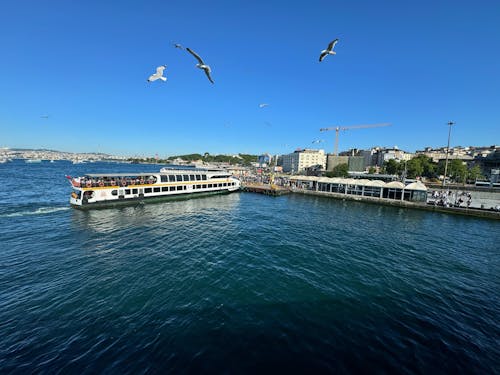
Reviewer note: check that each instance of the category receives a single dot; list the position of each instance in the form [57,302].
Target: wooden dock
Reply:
[272,190]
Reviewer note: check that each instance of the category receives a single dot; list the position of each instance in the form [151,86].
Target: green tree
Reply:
[475,173]
[340,170]
[372,170]
[391,166]
[457,170]
[414,168]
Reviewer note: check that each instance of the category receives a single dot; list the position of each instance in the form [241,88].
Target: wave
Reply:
[38,211]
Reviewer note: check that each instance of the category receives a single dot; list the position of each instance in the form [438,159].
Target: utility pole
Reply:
[450,124]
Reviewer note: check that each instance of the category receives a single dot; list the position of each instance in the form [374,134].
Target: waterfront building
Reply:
[299,160]
[394,190]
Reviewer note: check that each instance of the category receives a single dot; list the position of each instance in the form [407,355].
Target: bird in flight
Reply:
[263,105]
[318,141]
[201,64]
[329,50]
[158,74]
[177,45]
[44,116]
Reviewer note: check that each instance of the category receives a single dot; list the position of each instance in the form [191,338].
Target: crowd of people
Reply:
[451,199]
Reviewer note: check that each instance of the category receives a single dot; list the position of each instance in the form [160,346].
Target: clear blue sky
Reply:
[415,64]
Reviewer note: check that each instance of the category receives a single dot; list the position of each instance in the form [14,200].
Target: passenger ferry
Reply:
[116,189]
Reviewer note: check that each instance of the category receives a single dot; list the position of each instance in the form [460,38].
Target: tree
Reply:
[391,166]
[372,170]
[475,173]
[457,170]
[340,170]
[414,168]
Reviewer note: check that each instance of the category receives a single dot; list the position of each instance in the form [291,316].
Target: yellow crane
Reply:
[344,128]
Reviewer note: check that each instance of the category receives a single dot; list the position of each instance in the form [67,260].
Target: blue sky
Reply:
[414,64]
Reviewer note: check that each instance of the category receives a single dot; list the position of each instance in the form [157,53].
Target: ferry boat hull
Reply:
[115,190]
[139,201]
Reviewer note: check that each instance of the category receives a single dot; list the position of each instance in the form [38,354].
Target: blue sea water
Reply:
[239,283]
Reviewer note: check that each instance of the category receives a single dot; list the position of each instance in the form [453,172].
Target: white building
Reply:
[299,160]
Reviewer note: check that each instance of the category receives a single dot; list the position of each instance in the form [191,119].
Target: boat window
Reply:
[114,192]
[156,190]
[186,177]
[164,178]
[204,186]
[171,178]
[179,187]
[185,187]
[224,184]
[198,186]
[219,176]
[191,177]
[209,185]
[179,177]
[148,190]
[203,176]
[127,191]
[172,188]
[198,177]
[134,191]
[165,188]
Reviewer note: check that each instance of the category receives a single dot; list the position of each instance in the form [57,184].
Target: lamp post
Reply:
[450,123]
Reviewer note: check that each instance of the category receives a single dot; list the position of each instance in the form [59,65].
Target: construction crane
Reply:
[344,128]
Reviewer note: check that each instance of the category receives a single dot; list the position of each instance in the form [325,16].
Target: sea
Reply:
[239,283]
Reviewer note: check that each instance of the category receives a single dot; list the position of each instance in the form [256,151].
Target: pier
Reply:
[272,190]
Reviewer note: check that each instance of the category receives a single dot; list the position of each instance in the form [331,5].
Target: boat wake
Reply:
[38,211]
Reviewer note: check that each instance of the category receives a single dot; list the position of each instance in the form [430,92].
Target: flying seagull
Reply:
[318,141]
[177,45]
[329,50]
[201,64]
[158,74]
[263,105]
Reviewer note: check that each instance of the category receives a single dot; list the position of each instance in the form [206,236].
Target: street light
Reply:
[450,124]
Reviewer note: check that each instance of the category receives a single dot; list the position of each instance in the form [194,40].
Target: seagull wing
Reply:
[195,55]
[322,56]
[207,72]
[332,44]
[160,69]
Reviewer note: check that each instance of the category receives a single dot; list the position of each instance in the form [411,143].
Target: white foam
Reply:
[38,211]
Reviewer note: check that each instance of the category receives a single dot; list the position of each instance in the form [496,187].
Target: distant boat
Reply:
[51,160]
[33,160]
[78,161]
[3,160]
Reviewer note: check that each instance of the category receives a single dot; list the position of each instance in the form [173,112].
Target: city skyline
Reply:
[68,86]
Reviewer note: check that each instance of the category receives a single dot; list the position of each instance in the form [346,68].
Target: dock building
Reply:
[395,190]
